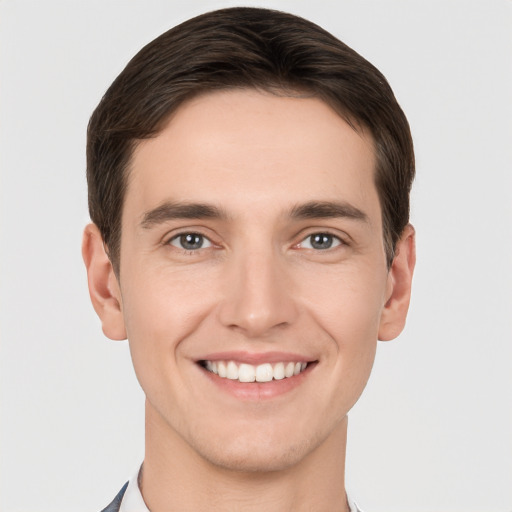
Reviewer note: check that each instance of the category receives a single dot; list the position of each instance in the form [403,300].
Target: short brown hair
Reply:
[244,47]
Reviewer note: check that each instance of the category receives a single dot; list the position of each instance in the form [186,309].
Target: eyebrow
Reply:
[328,210]
[171,210]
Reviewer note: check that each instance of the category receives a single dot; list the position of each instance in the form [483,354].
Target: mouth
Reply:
[246,373]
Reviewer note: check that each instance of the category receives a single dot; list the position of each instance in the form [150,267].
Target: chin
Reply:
[258,461]
[255,453]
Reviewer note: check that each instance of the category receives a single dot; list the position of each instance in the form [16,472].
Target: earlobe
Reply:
[400,275]
[103,286]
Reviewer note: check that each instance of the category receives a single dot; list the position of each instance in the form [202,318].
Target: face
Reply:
[252,250]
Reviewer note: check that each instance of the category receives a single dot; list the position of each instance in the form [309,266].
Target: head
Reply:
[249,180]
[244,48]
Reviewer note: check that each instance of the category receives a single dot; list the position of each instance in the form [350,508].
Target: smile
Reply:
[243,372]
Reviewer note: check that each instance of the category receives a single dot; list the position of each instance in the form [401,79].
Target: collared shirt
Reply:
[133,501]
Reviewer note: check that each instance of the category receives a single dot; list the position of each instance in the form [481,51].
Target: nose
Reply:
[258,294]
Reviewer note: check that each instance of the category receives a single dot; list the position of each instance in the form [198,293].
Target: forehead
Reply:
[244,148]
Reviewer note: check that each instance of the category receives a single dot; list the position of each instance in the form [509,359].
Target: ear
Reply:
[103,285]
[393,316]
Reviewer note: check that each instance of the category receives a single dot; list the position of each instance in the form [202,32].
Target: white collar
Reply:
[132,499]
[134,502]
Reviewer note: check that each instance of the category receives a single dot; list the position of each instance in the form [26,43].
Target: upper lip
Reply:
[255,358]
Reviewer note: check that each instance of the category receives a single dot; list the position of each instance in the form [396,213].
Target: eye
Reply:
[320,241]
[190,241]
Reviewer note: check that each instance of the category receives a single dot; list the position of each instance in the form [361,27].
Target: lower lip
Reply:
[255,391]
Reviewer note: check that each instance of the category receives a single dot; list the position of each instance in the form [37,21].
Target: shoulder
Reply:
[116,502]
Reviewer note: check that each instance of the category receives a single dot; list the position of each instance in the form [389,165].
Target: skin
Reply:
[256,286]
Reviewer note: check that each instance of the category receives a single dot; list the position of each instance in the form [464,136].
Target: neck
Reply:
[176,477]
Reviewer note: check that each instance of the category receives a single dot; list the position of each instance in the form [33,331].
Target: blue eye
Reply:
[320,241]
[190,241]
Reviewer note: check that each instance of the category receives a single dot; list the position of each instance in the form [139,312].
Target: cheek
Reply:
[162,307]
[158,301]
[347,301]
[347,306]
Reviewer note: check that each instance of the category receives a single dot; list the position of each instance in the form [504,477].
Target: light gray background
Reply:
[433,432]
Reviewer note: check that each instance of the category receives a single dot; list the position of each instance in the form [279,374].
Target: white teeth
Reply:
[244,372]
[264,372]
[288,371]
[221,368]
[232,371]
[279,371]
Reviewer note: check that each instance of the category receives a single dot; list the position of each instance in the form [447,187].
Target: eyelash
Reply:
[181,237]
[326,238]
[334,239]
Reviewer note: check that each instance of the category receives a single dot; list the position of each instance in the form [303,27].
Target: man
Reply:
[249,180]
